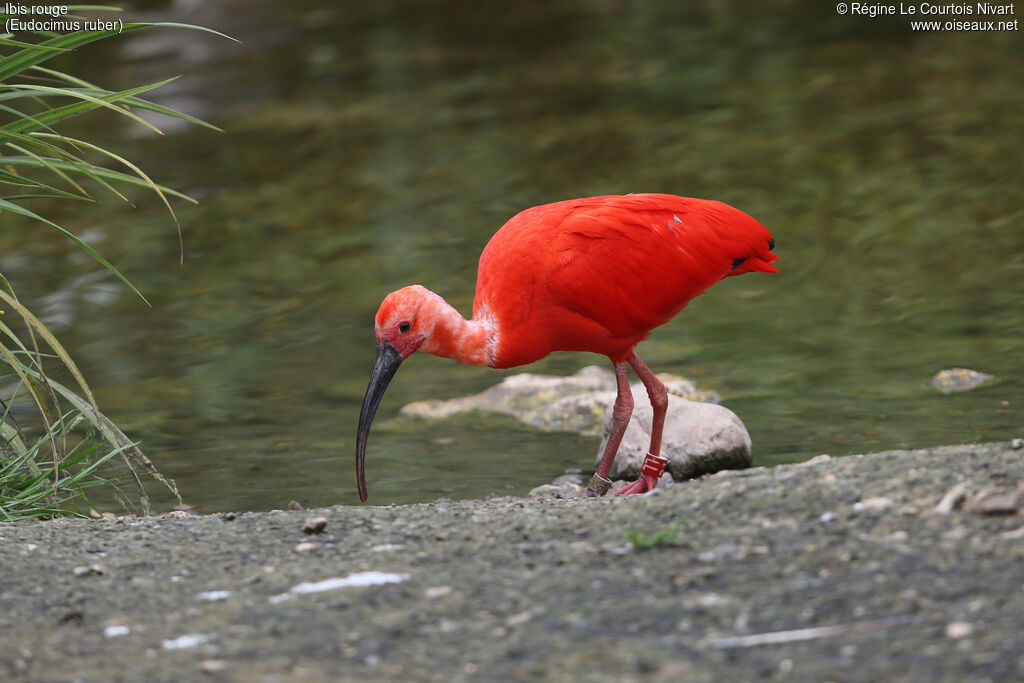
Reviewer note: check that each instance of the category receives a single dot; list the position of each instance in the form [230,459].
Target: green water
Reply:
[369,146]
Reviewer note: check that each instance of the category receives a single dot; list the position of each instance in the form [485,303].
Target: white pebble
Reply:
[352,580]
[214,596]
[437,591]
[187,641]
[958,630]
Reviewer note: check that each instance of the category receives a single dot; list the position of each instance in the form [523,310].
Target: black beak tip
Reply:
[384,368]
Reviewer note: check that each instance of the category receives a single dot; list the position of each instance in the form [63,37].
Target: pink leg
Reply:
[659,402]
[623,408]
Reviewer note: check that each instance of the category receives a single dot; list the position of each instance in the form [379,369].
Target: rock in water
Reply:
[699,438]
[549,402]
[959,379]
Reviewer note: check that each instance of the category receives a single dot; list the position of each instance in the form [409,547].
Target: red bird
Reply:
[594,274]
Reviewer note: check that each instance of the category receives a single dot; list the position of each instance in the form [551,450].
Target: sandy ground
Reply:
[840,569]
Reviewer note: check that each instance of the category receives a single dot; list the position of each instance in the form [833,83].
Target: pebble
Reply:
[214,596]
[437,591]
[352,580]
[952,500]
[519,619]
[1017,444]
[314,525]
[998,503]
[958,630]
[187,641]
[559,489]
[874,503]
[212,666]
[545,491]
[306,546]
[90,570]
[386,547]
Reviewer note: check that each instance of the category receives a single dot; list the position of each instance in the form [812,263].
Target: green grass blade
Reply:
[100,171]
[173,24]
[18,43]
[139,172]
[117,439]
[33,141]
[10,437]
[50,340]
[8,178]
[25,375]
[107,100]
[136,102]
[37,54]
[14,208]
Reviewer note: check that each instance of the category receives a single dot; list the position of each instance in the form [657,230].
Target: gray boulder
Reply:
[699,438]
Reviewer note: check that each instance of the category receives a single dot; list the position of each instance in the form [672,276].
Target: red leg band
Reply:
[654,465]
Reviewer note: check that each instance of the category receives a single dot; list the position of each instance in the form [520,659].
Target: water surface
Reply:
[370,146]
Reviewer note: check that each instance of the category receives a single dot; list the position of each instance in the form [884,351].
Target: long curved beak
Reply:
[384,368]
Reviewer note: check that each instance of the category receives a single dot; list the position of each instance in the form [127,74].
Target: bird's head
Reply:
[404,321]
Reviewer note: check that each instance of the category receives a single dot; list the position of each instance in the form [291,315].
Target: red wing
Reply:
[633,262]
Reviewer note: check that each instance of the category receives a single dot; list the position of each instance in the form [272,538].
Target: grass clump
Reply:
[55,443]
[648,539]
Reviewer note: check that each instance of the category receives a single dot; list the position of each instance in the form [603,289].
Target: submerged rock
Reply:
[959,379]
[699,438]
[553,403]
[518,395]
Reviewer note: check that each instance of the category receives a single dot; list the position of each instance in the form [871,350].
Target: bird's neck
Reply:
[471,342]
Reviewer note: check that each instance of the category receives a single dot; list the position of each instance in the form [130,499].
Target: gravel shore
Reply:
[836,569]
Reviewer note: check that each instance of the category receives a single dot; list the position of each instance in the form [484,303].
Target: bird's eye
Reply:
[771,244]
[404,327]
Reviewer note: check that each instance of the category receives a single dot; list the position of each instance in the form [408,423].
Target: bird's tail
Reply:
[757,264]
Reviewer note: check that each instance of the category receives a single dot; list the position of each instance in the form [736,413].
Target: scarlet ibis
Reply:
[594,274]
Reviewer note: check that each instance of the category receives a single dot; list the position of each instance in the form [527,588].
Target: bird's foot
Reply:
[642,485]
[597,487]
[650,472]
